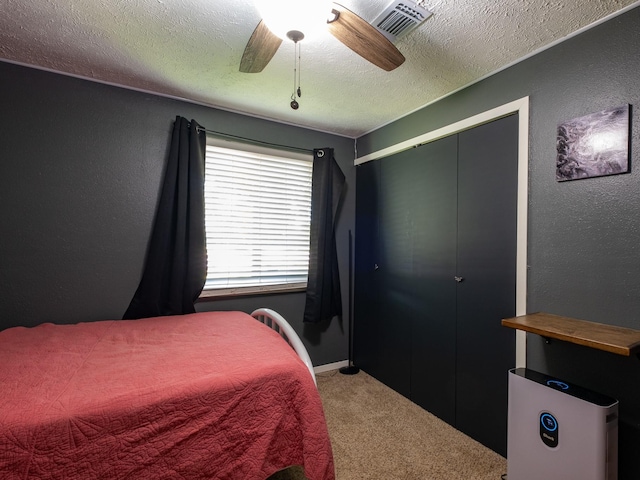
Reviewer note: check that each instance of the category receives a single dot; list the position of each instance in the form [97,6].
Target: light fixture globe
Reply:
[306,16]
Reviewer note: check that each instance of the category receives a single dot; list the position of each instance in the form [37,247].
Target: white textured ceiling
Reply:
[191,49]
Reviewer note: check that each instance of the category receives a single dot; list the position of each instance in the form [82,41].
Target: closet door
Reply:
[394,275]
[382,335]
[368,326]
[433,347]
[487,202]
[435,274]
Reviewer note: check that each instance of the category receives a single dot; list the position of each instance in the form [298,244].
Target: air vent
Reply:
[400,18]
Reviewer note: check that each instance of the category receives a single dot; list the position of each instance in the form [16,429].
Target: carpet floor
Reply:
[377,434]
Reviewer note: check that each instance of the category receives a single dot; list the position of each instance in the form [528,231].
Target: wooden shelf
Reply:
[618,340]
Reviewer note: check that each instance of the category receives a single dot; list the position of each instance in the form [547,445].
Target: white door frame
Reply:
[521,107]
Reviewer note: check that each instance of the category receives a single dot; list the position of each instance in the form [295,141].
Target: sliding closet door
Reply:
[368,326]
[394,272]
[435,274]
[487,201]
[382,334]
[433,377]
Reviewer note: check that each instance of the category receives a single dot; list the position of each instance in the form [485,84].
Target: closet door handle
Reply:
[459,279]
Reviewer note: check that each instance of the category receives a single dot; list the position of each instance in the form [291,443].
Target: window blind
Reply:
[257,218]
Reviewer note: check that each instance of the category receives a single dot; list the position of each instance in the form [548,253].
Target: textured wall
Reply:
[584,235]
[80,171]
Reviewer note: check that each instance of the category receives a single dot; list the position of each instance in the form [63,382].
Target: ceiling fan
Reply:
[350,29]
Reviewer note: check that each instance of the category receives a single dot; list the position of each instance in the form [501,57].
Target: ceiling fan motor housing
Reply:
[295,35]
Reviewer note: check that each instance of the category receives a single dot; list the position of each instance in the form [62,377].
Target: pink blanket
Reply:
[210,395]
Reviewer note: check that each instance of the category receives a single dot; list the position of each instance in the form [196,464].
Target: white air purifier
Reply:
[559,431]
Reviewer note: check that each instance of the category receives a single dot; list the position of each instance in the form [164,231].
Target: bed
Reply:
[214,395]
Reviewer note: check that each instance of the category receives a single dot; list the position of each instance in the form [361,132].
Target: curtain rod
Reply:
[251,140]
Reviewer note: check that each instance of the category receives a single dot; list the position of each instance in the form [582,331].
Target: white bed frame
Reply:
[275,321]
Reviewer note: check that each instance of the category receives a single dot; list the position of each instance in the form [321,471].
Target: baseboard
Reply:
[331,366]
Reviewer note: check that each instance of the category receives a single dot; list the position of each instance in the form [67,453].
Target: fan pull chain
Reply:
[298,91]
[295,36]
[296,76]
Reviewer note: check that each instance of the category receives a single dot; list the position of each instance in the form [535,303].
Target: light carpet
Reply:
[377,434]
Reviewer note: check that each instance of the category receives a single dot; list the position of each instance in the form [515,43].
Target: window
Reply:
[257,217]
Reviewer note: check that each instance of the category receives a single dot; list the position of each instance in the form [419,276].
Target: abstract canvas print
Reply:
[594,145]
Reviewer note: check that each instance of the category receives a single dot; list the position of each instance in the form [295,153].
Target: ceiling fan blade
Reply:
[260,49]
[364,39]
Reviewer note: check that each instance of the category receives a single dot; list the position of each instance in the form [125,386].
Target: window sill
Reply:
[222,293]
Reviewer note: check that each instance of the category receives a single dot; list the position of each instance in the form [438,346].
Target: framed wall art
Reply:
[594,145]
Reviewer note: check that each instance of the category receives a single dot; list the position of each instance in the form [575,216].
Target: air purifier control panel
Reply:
[565,387]
[557,384]
[549,431]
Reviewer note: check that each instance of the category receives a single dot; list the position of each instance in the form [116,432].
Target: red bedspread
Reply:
[210,395]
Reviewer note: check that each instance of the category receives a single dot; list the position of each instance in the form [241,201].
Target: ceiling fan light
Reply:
[306,16]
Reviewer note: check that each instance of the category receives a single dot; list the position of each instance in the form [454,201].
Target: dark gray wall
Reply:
[80,171]
[583,236]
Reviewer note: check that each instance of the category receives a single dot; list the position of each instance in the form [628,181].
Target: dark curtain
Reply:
[324,300]
[176,264]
